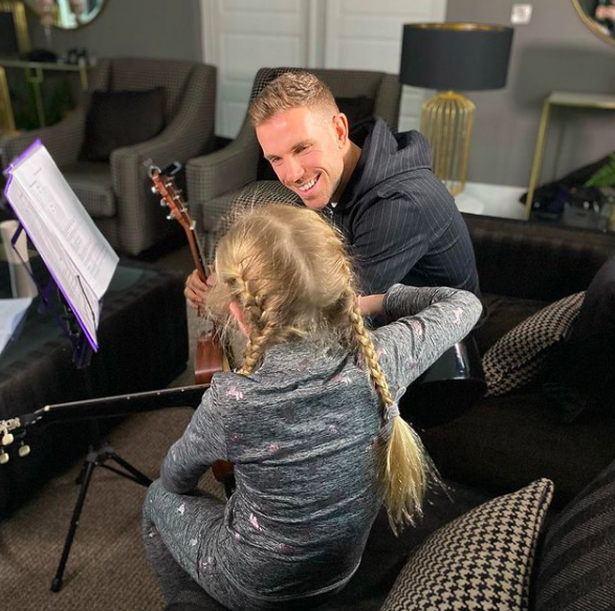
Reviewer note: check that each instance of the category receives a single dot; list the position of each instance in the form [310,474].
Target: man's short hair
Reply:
[290,90]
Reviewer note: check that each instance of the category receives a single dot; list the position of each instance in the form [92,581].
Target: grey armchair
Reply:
[224,181]
[117,193]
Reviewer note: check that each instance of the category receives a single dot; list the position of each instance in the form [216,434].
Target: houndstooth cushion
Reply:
[517,357]
[482,560]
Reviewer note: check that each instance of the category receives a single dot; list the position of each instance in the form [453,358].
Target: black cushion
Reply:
[576,568]
[356,109]
[580,382]
[121,118]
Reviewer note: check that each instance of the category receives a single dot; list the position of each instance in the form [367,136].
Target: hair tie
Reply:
[392,411]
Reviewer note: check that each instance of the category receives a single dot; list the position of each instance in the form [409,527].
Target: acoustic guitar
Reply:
[209,357]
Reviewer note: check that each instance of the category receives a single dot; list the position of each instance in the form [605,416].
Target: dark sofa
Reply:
[506,441]
[456,555]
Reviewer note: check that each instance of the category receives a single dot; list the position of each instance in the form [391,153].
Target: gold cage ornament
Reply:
[447,120]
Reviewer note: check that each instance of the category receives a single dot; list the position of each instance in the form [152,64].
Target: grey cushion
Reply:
[576,569]
[482,560]
[516,359]
[91,182]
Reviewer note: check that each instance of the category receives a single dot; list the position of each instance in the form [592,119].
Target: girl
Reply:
[310,421]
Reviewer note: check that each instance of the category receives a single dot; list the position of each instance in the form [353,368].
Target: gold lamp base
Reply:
[446,121]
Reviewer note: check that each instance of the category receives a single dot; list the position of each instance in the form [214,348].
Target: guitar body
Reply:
[209,358]
[448,389]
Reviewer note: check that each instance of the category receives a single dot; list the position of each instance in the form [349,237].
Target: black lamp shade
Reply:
[458,56]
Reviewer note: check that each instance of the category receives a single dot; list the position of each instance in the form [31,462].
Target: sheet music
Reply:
[74,250]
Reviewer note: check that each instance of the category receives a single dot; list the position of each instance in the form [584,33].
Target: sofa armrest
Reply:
[533,260]
[63,140]
[226,170]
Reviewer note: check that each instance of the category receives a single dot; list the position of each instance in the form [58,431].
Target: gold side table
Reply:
[34,72]
[562,98]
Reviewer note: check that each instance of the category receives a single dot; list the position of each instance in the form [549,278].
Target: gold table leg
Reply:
[538,155]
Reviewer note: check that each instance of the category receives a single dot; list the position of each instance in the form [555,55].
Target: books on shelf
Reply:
[75,252]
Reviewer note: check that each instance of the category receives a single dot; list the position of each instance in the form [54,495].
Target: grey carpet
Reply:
[107,569]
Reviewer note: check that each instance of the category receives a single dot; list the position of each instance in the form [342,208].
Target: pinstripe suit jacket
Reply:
[401,222]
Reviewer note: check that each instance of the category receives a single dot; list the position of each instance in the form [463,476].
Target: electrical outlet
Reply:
[521,14]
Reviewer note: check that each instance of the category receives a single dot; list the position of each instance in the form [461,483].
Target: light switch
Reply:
[521,14]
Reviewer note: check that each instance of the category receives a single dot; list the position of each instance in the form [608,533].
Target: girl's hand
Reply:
[195,290]
[371,305]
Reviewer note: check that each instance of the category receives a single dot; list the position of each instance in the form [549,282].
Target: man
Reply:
[400,221]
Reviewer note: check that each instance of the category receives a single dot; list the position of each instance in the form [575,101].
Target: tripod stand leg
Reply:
[56,584]
[139,477]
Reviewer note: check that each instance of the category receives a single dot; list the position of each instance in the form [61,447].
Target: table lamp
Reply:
[447,57]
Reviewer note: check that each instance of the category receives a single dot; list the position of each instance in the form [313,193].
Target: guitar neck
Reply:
[195,251]
[118,405]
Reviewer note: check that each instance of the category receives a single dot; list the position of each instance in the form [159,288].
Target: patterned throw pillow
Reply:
[576,569]
[482,560]
[517,357]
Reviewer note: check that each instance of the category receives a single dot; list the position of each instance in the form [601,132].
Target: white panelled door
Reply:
[241,36]
[366,34]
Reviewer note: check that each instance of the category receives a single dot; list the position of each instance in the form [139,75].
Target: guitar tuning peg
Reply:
[170,217]
[24,450]
[154,190]
[163,203]
[4,457]
[7,439]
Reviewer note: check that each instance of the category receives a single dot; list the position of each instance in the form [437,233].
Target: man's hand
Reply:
[371,305]
[195,290]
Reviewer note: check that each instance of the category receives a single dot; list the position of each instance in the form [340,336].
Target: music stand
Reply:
[79,273]
[100,452]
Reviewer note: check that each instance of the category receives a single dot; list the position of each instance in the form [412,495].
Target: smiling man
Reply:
[378,188]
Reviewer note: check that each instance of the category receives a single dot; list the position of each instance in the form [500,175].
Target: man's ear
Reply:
[341,128]
[237,312]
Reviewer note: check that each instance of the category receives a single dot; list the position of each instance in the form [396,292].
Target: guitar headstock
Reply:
[10,431]
[164,184]
[172,197]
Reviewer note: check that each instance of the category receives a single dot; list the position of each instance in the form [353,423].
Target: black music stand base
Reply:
[99,453]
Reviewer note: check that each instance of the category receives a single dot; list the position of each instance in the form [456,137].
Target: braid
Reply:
[366,346]
[260,330]
[257,342]
[402,472]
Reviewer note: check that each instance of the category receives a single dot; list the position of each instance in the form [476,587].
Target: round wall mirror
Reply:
[66,14]
[598,16]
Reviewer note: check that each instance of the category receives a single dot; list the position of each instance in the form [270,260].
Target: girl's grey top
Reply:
[301,431]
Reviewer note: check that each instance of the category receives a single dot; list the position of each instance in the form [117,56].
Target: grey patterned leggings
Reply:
[172,527]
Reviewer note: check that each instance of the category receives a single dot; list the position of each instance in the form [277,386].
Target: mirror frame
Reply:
[32,10]
[591,24]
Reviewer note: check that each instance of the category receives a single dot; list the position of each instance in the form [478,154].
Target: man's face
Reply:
[306,150]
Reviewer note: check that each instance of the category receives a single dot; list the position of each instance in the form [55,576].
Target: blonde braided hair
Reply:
[288,270]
